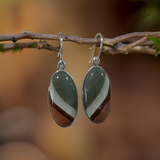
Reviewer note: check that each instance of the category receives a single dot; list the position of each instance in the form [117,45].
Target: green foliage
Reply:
[157,51]
[1,48]
[15,49]
[149,13]
[157,42]
[34,46]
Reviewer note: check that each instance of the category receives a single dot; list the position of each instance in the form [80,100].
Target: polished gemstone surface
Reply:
[63,101]
[96,94]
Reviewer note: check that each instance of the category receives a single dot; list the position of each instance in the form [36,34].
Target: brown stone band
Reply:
[103,110]
[59,115]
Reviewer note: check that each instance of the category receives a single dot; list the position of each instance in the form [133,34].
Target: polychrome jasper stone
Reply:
[63,98]
[96,94]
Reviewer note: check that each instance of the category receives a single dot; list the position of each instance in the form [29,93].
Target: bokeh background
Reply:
[27,130]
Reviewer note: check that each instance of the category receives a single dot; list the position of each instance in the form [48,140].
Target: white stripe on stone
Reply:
[60,102]
[99,99]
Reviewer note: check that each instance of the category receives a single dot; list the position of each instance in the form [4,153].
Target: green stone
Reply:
[96,95]
[65,87]
[92,85]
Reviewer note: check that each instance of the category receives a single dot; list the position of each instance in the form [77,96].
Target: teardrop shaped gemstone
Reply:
[63,98]
[96,94]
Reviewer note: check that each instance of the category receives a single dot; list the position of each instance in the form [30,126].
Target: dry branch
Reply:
[136,42]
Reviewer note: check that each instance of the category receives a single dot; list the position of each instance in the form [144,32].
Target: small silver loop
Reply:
[61,64]
[94,46]
[61,46]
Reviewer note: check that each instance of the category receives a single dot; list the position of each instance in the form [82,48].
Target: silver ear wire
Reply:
[60,53]
[96,60]
[93,47]
[61,64]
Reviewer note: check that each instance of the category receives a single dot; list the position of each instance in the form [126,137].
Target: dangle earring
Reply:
[62,93]
[96,91]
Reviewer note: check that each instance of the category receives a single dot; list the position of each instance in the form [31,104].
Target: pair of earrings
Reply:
[96,92]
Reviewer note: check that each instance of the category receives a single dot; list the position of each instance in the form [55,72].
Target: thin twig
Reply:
[14,46]
[108,41]
[126,43]
[137,49]
[126,48]
[128,36]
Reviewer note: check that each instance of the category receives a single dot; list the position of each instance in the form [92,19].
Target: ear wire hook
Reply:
[60,53]
[94,46]
[61,64]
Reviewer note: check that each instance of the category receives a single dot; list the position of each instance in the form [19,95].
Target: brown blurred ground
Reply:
[27,130]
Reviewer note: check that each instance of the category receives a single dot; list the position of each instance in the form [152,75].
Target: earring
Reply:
[62,94]
[96,91]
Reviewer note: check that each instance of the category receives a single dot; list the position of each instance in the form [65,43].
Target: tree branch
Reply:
[137,49]
[136,42]
[17,46]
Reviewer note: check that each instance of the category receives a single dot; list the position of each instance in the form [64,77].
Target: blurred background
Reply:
[27,130]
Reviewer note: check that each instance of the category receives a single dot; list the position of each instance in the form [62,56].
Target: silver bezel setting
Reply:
[49,103]
[110,95]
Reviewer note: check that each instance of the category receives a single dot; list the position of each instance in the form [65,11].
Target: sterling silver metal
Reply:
[61,64]
[96,60]
[61,46]
[110,86]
